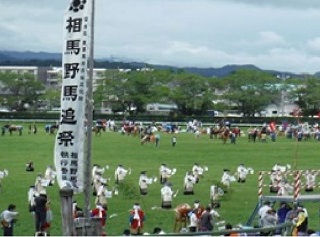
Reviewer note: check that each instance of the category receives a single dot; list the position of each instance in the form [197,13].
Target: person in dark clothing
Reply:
[206,220]
[282,213]
[40,211]
[29,166]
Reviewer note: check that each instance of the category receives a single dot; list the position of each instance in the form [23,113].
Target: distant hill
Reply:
[28,58]
[28,55]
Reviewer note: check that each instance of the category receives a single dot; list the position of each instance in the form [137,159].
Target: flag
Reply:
[71,135]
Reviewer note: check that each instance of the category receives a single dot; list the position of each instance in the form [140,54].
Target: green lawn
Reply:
[113,149]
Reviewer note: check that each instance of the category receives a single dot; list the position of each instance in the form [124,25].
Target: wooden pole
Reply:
[66,195]
[88,160]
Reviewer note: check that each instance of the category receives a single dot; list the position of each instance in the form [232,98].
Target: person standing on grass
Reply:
[194,221]
[174,141]
[40,210]
[8,218]
[157,136]
[206,220]
[136,220]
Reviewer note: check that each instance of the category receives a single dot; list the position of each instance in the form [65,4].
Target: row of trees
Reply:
[248,91]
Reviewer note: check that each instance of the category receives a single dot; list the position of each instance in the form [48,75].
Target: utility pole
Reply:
[89,112]
[282,77]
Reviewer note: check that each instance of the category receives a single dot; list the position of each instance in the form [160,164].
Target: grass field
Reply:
[113,149]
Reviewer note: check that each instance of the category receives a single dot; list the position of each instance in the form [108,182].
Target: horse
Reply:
[12,128]
[224,134]
[97,129]
[128,129]
[214,132]
[51,128]
[181,216]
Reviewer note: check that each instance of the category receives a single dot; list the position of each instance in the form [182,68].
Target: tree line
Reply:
[247,91]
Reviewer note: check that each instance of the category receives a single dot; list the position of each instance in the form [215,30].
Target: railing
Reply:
[286,227]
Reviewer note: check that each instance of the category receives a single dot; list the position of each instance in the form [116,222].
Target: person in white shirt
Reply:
[32,193]
[263,209]
[8,217]
[197,171]
[165,173]
[120,173]
[226,178]
[166,196]
[310,181]
[284,189]
[189,181]
[144,181]
[215,193]
[40,184]
[194,222]
[50,175]
[242,173]
[102,194]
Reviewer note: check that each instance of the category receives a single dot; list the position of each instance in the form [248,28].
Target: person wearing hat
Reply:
[198,208]
[165,173]
[310,180]
[32,193]
[119,174]
[50,175]
[197,171]
[39,183]
[166,196]
[226,178]
[189,181]
[100,211]
[136,219]
[103,193]
[144,181]
[193,221]
[274,181]
[242,173]
[40,211]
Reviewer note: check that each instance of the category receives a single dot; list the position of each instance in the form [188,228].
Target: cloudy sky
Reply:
[271,34]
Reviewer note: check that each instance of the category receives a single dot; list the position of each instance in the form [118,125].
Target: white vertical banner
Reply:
[69,148]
